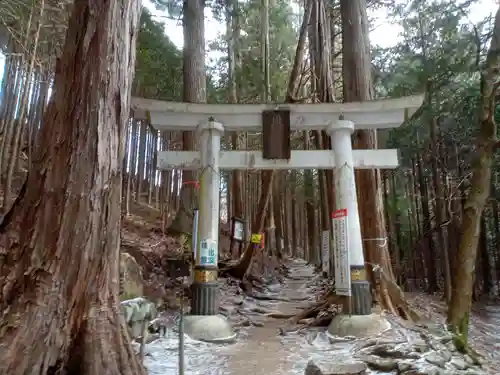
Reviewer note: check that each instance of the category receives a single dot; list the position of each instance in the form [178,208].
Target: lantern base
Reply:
[209,328]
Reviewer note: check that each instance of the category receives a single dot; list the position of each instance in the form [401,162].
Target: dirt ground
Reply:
[143,239]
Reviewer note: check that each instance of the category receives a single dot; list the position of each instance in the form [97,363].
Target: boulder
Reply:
[131,280]
[359,326]
[137,313]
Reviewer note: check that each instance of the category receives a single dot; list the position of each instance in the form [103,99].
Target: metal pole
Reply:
[194,244]
[194,238]
[181,336]
[204,287]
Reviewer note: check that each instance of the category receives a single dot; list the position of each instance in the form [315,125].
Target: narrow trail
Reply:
[261,348]
[264,351]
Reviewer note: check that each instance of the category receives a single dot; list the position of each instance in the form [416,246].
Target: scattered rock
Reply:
[256,323]
[414,371]
[451,347]
[161,324]
[446,354]
[237,301]
[335,368]
[149,338]
[377,341]
[436,358]
[474,372]
[404,367]
[390,351]
[469,360]
[380,364]
[459,363]
[420,346]
[446,338]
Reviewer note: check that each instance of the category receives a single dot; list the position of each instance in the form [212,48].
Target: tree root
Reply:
[324,303]
[463,347]
[321,320]
[279,315]
[392,298]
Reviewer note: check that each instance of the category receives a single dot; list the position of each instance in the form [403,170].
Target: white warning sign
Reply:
[341,253]
[325,251]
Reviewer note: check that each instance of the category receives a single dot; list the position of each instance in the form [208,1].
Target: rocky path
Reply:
[265,347]
[265,350]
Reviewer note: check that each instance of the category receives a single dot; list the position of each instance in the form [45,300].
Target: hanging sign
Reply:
[256,238]
[239,230]
[325,251]
[208,253]
[341,253]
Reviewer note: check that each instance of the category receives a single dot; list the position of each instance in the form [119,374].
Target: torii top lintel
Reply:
[374,114]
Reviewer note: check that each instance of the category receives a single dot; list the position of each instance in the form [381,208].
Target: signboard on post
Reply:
[341,253]
[208,253]
[325,251]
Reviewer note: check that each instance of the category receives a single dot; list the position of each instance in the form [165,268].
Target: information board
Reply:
[239,231]
[341,253]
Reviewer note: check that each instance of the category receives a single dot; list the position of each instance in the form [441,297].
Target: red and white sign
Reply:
[341,253]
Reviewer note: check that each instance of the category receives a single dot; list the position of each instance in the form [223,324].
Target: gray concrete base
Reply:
[361,300]
[358,325]
[209,328]
[204,298]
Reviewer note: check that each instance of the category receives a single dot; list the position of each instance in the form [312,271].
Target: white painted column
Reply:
[209,201]
[204,288]
[345,186]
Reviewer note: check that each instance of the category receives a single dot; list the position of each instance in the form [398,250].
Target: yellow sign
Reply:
[358,274]
[256,238]
[205,276]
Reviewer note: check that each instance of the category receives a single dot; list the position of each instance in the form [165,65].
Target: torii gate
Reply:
[211,120]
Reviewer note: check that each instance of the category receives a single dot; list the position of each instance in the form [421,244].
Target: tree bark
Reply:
[194,91]
[60,242]
[440,206]
[461,297]
[358,87]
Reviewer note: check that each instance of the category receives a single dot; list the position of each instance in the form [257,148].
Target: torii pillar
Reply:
[346,199]
[205,287]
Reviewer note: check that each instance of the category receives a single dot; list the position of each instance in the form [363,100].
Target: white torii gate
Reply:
[210,121]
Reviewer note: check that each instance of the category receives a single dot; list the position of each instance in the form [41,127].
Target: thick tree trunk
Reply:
[440,206]
[430,250]
[60,242]
[194,91]
[461,297]
[240,269]
[358,87]
[232,32]
[277,212]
